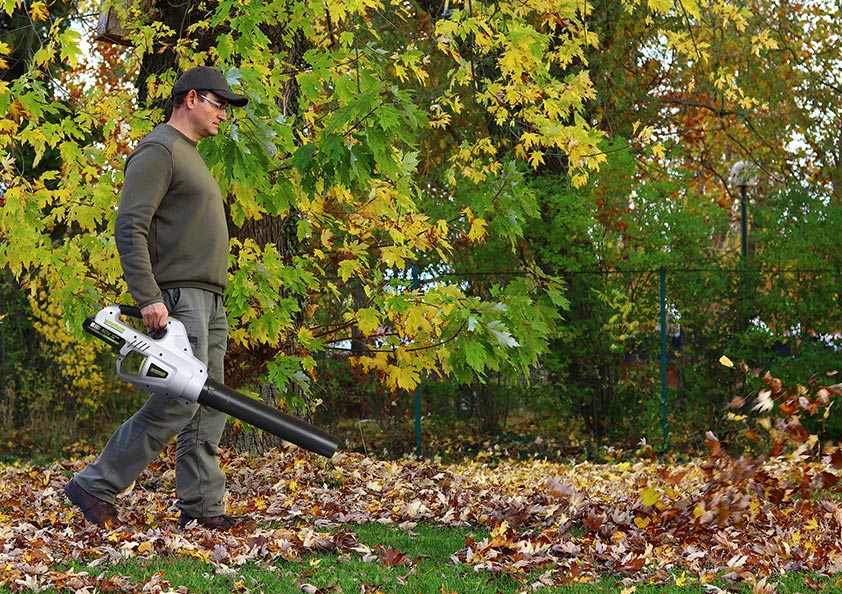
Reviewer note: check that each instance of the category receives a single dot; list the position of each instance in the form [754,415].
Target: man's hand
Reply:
[155,316]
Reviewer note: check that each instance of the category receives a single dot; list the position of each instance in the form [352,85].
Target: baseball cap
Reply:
[205,78]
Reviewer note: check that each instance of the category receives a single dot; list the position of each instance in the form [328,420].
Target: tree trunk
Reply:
[178,17]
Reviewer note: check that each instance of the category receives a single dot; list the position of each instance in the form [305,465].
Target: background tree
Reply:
[715,84]
[457,140]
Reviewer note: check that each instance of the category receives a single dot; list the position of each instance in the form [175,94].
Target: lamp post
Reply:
[743,175]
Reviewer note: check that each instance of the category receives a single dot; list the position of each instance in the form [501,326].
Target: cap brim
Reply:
[231,98]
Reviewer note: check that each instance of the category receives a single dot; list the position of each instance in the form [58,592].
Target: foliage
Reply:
[77,362]
[417,560]
[337,164]
[713,84]
[549,141]
[779,308]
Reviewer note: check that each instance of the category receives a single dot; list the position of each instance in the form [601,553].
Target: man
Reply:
[172,238]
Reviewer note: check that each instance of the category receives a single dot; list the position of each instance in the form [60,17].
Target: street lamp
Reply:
[743,174]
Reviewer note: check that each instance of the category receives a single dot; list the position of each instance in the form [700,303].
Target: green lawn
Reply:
[416,561]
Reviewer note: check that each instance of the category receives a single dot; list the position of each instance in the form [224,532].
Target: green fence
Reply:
[661,333]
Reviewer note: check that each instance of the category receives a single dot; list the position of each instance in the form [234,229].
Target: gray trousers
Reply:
[200,483]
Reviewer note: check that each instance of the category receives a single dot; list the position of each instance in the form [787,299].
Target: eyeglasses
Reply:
[219,106]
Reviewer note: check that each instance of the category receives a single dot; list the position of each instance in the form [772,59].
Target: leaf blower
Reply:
[165,364]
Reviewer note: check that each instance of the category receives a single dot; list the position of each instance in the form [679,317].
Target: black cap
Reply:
[204,78]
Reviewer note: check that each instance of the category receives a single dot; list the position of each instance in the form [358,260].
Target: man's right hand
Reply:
[155,316]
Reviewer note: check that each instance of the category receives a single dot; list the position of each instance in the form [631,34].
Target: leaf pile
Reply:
[741,518]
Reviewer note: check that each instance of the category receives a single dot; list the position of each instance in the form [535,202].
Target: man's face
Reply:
[210,111]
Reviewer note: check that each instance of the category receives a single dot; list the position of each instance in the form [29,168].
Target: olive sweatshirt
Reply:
[171,230]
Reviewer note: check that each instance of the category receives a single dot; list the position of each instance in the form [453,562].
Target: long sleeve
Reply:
[147,180]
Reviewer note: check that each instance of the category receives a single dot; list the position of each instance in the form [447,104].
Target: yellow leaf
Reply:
[478,230]
[579,179]
[645,133]
[662,6]
[642,522]
[501,529]
[515,61]
[348,268]
[536,158]
[658,151]
[368,320]
[327,237]
[723,360]
[43,56]
[691,7]
[650,496]
[441,227]
[393,256]
[417,323]
[405,378]
[39,11]
[144,547]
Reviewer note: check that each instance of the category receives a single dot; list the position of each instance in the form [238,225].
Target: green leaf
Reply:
[475,355]
[503,336]
[69,41]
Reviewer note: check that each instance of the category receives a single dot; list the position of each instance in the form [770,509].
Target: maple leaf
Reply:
[39,11]
[477,231]
[391,557]
[650,496]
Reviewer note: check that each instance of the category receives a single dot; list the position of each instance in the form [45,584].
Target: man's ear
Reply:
[191,99]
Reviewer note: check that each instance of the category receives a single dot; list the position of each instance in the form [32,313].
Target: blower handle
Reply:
[131,311]
[134,312]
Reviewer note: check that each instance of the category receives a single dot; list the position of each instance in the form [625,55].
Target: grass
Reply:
[426,570]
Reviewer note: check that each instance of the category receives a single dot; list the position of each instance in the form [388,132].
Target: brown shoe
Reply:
[96,510]
[222,522]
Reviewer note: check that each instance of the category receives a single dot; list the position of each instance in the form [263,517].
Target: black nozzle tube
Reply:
[222,398]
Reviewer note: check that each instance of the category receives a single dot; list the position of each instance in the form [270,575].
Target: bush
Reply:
[55,388]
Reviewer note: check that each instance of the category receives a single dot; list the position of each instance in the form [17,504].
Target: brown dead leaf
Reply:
[390,556]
